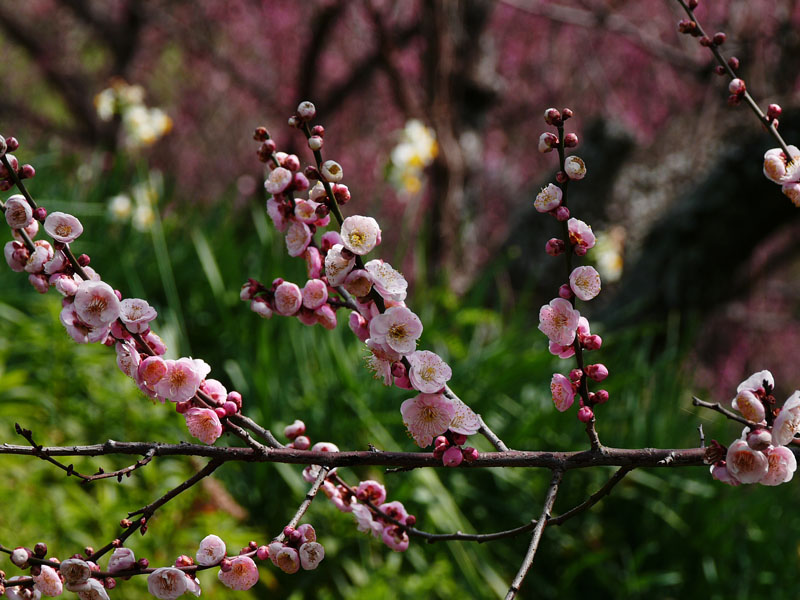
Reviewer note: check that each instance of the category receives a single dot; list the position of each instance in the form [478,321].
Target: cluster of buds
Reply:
[300,549]
[784,170]
[567,331]
[93,312]
[450,448]
[760,455]
[10,163]
[339,276]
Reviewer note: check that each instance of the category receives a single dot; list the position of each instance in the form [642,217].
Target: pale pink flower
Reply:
[365,522]
[360,234]
[337,266]
[465,421]
[306,530]
[580,233]
[243,574]
[211,551]
[561,351]
[168,583]
[275,212]
[790,190]
[326,316]
[18,212]
[782,465]
[574,167]
[311,554]
[329,239]
[427,416]
[780,170]
[315,293]
[398,327]
[64,284]
[181,380]
[152,370]
[204,424]
[563,394]
[297,238]
[749,405]
[429,373]
[286,559]
[585,282]
[62,227]
[48,582]
[32,229]
[358,282]
[202,367]
[16,256]
[719,471]
[395,537]
[90,590]
[122,559]
[371,490]
[305,211]
[359,326]
[80,331]
[278,180]
[380,360]
[332,171]
[56,264]
[548,199]
[744,463]
[260,306]
[288,298]
[214,390]
[39,282]
[559,321]
[13,592]
[128,358]
[389,283]
[313,262]
[136,314]
[295,429]
[787,423]
[38,258]
[546,142]
[756,381]
[75,570]
[96,303]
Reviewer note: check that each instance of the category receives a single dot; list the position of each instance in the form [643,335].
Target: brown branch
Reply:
[552,490]
[126,472]
[716,406]
[620,457]
[301,510]
[39,453]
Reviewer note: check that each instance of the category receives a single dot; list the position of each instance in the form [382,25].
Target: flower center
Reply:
[397,331]
[63,230]
[97,305]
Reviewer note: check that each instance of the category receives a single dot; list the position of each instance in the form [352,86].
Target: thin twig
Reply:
[39,452]
[484,430]
[126,472]
[724,411]
[301,510]
[550,498]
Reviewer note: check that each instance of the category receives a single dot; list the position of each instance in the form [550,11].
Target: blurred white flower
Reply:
[416,150]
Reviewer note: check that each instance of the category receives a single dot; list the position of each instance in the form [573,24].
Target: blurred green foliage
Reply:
[663,533]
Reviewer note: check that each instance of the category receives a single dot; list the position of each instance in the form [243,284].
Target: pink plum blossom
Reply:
[749,405]
[780,170]
[91,589]
[561,351]
[371,490]
[168,583]
[329,239]
[15,255]
[56,264]
[744,463]
[326,316]
[214,390]
[574,167]
[782,465]
[559,321]
[62,227]
[181,380]
[278,180]
[39,282]
[152,370]
[719,471]
[790,190]
[315,293]
[288,298]
[18,212]
[580,234]
[305,211]
[365,522]
[429,373]
[211,551]
[337,266]
[307,532]
[80,331]
[311,554]
[380,360]
[313,262]
[359,326]
[128,358]
[548,199]
[464,421]
[427,416]
[96,303]
[242,576]
[136,314]
[286,559]
[275,212]
[360,234]
[121,559]
[75,570]
[756,381]
[787,423]
[395,537]
[585,282]
[358,282]
[298,236]
[389,283]
[38,258]
[563,394]
[48,582]
[398,327]
[204,424]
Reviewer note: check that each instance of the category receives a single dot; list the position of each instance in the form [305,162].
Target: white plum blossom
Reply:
[782,465]
[168,583]
[298,237]
[389,283]
[787,423]
[398,327]
[744,463]
[121,560]
[75,570]
[465,421]
[548,199]
[211,551]
[242,576]
[311,554]
[18,212]
[585,282]
[62,227]
[778,168]
[96,303]
[278,180]
[337,266]
[360,234]
[136,314]
[749,405]
[48,582]
[574,167]
[332,171]
[757,380]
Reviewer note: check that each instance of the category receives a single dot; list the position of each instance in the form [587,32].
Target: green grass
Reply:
[662,533]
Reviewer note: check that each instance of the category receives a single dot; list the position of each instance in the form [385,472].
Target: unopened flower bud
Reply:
[601,396]
[40,214]
[693,4]
[125,523]
[291,162]
[555,246]
[452,457]
[27,172]
[84,260]
[315,143]
[597,372]
[592,342]
[552,117]
[142,563]
[547,141]
[341,193]
[88,551]
[225,565]
[306,110]
[575,375]
[580,250]
[720,70]
[565,292]
[733,63]
[470,454]
[40,550]
[585,414]
[441,441]
[261,134]
[183,561]
[774,111]
[3,146]
[183,406]
[719,38]
[332,171]
[706,42]
[459,439]
[737,86]
[570,140]
[734,100]
[293,121]
[20,556]
[318,130]
[11,144]
[562,213]
[262,553]
[687,26]
[301,442]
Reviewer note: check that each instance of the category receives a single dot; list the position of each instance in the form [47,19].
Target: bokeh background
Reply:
[138,118]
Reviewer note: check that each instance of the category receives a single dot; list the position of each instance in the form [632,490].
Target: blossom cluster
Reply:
[386,521]
[338,277]
[569,332]
[761,454]
[143,126]
[785,171]
[415,150]
[93,312]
